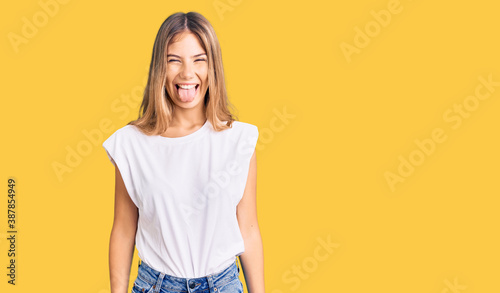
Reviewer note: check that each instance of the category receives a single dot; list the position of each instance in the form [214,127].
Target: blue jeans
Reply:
[150,280]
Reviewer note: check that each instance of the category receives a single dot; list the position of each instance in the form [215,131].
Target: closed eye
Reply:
[171,60]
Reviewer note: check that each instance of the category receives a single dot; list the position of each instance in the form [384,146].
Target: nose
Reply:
[187,71]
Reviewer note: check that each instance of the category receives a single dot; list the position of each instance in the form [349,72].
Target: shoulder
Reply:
[244,126]
[123,133]
[128,130]
[246,134]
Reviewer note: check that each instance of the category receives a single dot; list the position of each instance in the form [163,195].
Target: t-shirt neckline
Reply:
[200,131]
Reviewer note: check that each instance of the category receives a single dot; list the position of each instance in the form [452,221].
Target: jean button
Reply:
[192,285]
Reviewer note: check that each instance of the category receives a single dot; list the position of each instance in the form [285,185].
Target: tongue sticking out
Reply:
[187,95]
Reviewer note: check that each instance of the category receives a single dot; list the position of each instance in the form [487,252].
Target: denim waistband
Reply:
[205,284]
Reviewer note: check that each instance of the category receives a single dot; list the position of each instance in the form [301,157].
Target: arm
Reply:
[122,240]
[252,260]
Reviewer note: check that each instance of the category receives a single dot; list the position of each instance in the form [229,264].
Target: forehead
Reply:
[185,43]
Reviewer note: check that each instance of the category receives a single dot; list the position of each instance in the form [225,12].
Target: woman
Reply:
[185,175]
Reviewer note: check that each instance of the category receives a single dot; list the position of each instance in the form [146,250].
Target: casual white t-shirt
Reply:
[186,189]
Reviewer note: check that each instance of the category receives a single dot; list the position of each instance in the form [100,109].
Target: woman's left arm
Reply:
[252,260]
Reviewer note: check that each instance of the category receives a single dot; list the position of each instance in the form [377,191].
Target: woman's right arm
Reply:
[122,240]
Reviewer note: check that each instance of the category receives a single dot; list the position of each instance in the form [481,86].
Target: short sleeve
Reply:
[118,152]
[248,142]
[253,137]
[245,150]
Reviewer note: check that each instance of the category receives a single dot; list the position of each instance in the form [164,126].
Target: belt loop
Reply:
[157,286]
[210,284]
[238,264]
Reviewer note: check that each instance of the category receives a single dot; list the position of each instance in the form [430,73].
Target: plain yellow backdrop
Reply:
[378,155]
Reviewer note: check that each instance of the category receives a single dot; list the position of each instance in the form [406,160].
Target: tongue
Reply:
[187,95]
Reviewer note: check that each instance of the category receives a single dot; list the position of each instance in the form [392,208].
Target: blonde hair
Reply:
[156,111]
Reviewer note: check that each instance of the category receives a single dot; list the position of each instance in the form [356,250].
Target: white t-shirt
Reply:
[186,189]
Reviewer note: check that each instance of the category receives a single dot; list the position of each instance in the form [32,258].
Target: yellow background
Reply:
[320,174]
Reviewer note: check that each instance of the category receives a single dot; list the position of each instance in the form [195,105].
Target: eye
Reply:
[200,60]
[172,60]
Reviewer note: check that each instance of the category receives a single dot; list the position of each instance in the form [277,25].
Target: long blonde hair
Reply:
[156,111]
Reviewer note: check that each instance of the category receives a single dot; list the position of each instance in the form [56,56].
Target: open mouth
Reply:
[187,92]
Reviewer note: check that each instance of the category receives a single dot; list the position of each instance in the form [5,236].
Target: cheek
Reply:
[171,74]
[203,71]
[204,76]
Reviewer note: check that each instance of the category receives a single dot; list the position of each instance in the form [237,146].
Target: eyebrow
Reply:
[197,55]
